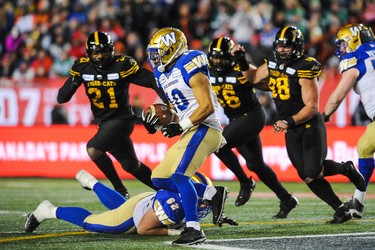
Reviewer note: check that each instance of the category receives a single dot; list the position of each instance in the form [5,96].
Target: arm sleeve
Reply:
[68,89]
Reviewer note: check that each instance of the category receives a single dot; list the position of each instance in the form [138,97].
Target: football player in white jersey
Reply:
[149,213]
[356,51]
[183,75]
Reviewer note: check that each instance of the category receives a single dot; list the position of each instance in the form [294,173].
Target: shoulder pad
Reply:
[129,67]
[348,63]
[309,68]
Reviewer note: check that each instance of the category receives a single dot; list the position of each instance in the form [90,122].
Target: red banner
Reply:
[59,151]
[32,103]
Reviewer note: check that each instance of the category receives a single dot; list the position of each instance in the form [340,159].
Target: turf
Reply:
[21,196]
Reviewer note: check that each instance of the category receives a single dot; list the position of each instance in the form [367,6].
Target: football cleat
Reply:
[40,214]
[86,180]
[245,192]
[341,215]
[355,208]
[218,202]
[355,176]
[286,207]
[190,236]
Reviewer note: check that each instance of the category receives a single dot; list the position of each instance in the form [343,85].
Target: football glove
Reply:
[172,129]
[149,122]
[240,58]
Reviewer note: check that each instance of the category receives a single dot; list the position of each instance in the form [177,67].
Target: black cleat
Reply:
[355,176]
[124,192]
[245,192]
[355,208]
[341,215]
[218,202]
[31,223]
[286,207]
[190,236]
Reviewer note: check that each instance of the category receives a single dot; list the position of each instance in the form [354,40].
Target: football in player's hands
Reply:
[165,114]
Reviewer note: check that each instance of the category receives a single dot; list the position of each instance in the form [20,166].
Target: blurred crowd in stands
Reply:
[42,38]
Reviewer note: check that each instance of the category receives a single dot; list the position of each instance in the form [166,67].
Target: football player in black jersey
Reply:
[293,81]
[106,78]
[247,118]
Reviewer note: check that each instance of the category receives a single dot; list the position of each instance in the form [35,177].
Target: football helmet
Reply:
[100,42]
[165,46]
[289,36]
[219,54]
[204,206]
[351,36]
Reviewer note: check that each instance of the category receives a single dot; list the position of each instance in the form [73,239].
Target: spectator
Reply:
[42,64]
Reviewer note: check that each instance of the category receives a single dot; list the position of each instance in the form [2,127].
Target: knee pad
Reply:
[93,153]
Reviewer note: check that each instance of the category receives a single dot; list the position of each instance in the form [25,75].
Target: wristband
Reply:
[326,118]
[186,124]
[289,121]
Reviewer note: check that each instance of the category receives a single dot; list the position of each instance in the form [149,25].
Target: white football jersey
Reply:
[175,83]
[363,59]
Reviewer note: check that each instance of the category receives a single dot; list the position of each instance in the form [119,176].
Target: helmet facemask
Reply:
[100,43]
[219,54]
[351,36]
[292,37]
[165,46]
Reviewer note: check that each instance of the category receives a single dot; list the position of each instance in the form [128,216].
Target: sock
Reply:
[360,196]
[105,164]
[366,168]
[333,168]
[188,196]
[269,178]
[228,157]
[322,189]
[165,183]
[143,173]
[209,192]
[193,224]
[108,197]
[75,215]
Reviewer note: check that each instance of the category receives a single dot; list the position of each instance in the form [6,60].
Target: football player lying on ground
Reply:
[149,213]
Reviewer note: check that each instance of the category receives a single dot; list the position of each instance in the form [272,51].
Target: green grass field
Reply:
[21,196]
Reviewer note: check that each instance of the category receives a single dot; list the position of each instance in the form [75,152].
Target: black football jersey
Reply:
[234,92]
[108,91]
[284,82]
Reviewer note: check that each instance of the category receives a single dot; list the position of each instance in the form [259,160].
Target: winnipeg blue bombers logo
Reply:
[169,39]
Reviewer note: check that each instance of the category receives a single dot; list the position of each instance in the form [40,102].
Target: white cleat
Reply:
[41,213]
[86,179]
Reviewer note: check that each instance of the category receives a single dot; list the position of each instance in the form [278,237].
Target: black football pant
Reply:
[113,136]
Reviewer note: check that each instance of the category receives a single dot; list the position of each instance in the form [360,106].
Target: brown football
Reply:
[166,115]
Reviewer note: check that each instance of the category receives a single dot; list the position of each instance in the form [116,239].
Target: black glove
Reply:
[149,122]
[326,118]
[240,58]
[226,220]
[172,129]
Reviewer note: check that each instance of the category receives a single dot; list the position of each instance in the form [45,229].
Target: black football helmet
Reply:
[288,36]
[100,42]
[220,48]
